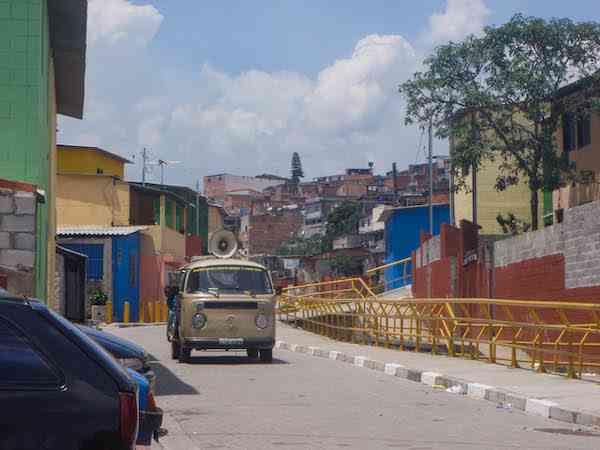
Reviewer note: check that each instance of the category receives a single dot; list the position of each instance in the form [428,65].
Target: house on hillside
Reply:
[580,139]
[42,74]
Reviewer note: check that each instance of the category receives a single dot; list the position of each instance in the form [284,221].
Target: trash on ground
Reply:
[457,389]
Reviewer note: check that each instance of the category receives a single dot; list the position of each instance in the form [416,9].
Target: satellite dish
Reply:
[223,244]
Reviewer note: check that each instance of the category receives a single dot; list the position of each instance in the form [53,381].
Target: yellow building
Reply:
[90,187]
[490,202]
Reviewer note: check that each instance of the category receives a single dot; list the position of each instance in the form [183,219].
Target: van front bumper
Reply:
[259,343]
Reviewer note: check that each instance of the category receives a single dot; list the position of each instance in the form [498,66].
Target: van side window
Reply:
[20,363]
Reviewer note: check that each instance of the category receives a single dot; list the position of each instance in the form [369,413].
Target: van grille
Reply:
[230,305]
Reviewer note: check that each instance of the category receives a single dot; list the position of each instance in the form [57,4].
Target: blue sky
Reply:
[239,85]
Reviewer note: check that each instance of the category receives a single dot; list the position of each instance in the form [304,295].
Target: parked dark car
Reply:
[58,388]
[150,415]
[130,355]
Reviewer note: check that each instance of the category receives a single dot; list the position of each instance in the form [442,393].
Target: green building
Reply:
[192,219]
[42,73]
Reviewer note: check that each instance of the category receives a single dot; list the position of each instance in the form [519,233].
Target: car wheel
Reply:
[266,356]
[184,353]
[252,353]
[174,349]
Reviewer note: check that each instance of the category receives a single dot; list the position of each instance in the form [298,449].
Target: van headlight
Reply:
[261,321]
[199,321]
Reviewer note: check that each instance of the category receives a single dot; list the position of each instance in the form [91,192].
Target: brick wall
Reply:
[18,209]
[555,263]
[266,233]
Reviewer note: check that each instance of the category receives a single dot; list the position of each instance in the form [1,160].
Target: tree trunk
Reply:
[534,209]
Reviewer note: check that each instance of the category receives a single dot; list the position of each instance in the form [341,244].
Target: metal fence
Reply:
[558,337]
[390,276]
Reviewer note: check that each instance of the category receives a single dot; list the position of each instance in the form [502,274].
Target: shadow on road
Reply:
[167,383]
[226,360]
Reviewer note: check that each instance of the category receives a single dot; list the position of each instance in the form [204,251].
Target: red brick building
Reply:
[264,234]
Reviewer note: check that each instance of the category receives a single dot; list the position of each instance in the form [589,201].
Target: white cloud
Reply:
[249,122]
[460,18]
[117,21]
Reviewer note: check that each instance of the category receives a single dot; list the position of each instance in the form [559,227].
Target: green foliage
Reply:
[511,225]
[344,219]
[341,221]
[296,170]
[98,298]
[300,246]
[499,97]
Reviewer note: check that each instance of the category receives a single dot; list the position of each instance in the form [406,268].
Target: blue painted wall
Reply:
[126,275]
[402,237]
[95,261]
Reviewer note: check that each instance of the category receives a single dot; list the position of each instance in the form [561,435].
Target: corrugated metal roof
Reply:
[98,231]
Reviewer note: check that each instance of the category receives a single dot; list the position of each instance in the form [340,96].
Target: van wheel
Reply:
[252,353]
[174,349]
[184,354]
[266,356]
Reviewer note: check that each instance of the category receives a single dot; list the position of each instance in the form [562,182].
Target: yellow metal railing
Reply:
[559,337]
[379,283]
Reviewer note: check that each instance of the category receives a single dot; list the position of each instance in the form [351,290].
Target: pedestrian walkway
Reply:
[553,396]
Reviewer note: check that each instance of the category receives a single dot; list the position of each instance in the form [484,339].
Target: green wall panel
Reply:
[24,106]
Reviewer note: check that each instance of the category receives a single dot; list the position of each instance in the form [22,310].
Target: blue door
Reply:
[126,275]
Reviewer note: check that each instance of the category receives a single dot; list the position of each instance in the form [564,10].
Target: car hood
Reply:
[118,347]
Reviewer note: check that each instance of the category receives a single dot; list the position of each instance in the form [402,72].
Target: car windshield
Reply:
[229,279]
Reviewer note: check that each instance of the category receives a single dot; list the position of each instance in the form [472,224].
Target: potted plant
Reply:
[98,301]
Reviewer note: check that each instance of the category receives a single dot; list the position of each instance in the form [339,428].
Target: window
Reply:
[179,219]
[156,208]
[20,363]
[584,137]
[229,279]
[99,171]
[169,213]
[568,126]
[576,132]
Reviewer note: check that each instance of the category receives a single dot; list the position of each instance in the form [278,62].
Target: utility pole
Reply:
[144,160]
[430,157]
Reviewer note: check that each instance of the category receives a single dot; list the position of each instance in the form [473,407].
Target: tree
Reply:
[341,221]
[297,171]
[503,96]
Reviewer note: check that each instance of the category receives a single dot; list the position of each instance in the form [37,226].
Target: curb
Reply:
[478,391]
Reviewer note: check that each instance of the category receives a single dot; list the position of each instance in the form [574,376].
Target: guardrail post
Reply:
[126,312]
[108,312]
[514,363]
[156,311]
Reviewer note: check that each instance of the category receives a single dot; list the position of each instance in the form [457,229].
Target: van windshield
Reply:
[229,280]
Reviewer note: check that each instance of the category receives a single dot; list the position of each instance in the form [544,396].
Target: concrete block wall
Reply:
[18,237]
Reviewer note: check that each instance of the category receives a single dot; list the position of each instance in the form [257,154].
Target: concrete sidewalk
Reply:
[552,396]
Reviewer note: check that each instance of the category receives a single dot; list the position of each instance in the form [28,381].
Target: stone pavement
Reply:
[552,396]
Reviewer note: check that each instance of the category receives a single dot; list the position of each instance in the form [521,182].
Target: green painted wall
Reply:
[24,107]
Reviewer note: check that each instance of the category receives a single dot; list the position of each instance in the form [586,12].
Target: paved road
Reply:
[225,401]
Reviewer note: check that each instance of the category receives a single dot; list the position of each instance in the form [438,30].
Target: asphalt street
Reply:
[226,401]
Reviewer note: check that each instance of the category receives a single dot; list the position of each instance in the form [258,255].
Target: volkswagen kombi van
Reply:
[224,303]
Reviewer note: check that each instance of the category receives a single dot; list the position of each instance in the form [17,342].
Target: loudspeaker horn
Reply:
[223,244]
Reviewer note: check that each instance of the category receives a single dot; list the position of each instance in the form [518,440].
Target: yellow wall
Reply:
[87,161]
[92,200]
[490,202]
